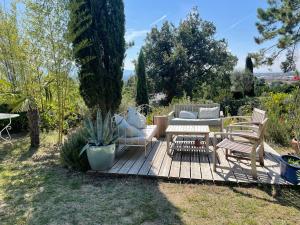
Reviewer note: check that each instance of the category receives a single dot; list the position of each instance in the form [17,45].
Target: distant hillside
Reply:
[127,74]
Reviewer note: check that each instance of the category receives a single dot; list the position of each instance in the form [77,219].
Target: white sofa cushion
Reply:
[188,115]
[209,113]
[148,133]
[125,129]
[135,118]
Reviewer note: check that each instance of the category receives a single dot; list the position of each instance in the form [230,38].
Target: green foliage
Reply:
[242,82]
[103,131]
[128,94]
[97,29]
[294,162]
[279,128]
[71,148]
[141,86]
[180,59]
[280,23]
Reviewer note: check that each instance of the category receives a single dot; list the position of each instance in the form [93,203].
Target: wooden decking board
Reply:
[195,165]
[135,168]
[156,165]
[205,167]
[175,165]
[149,160]
[126,156]
[185,167]
[165,167]
[129,163]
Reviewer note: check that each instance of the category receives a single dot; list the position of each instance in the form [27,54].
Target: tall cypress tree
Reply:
[249,72]
[97,29]
[141,88]
[249,64]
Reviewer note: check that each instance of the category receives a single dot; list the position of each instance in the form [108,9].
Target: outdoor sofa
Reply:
[204,114]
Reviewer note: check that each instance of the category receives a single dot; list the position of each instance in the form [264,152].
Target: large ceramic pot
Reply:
[290,172]
[294,144]
[101,157]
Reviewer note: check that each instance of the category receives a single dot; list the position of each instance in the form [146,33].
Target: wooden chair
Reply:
[242,149]
[249,126]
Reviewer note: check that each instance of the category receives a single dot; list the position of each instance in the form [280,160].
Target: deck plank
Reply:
[185,167]
[205,167]
[166,166]
[140,161]
[175,165]
[123,159]
[195,166]
[156,165]
[149,160]
[129,163]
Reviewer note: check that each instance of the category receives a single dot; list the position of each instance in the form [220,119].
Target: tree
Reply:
[249,64]
[179,59]
[249,72]
[46,27]
[97,29]
[141,87]
[242,82]
[280,24]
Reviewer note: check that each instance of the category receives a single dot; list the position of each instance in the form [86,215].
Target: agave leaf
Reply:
[99,126]
[84,149]
[90,128]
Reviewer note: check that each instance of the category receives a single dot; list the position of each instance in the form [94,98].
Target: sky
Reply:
[234,21]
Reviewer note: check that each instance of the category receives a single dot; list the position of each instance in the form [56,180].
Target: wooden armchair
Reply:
[240,148]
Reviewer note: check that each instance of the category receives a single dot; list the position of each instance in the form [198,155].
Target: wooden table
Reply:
[187,130]
[162,124]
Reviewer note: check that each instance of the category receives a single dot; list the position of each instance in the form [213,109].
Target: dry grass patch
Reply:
[35,189]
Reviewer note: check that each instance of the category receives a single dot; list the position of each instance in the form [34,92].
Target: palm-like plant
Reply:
[102,132]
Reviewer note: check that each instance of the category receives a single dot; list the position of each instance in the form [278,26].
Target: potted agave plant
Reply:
[101,146]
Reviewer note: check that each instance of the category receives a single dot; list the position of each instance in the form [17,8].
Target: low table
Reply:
[7,116]
[186,130]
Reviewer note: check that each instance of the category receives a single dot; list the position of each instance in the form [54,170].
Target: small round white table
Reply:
[7,116]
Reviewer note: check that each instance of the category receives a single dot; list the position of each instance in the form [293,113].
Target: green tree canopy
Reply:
[279,24]
[177,59]
[141,87]
[97,29]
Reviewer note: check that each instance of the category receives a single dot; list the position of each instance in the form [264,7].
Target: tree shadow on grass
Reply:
[42,194]
[283,195]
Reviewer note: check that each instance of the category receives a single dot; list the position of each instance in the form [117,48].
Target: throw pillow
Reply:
[135,118]
[209,113]
[188,115]
[125,129]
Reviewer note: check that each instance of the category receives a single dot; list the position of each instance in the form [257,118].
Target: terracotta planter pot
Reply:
[295,145]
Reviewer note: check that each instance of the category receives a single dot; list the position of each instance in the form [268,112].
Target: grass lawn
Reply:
[35,189]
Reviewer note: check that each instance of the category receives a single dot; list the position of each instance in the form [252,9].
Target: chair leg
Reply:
[261,155]
[253,165]
[145,150]
[226,154]
[215,155]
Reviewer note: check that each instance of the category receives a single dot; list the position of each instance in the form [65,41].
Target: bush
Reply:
[71,148]
[235,107]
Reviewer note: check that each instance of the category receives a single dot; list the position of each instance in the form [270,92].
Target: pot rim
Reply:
[291,156]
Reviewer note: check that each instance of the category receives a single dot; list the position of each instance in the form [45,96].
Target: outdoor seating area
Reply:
[191,152]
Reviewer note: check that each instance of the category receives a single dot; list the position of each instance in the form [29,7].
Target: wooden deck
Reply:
[194,166]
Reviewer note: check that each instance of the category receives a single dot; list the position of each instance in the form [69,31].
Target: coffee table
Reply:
[186,130]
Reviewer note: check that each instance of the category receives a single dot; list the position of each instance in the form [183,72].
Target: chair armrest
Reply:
[226,134]
[245,125]
[171,114]
[221,114]
[238,117]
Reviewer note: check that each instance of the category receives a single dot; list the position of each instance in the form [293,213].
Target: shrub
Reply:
[71,149]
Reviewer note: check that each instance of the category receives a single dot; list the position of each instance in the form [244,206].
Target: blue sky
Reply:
[234,20]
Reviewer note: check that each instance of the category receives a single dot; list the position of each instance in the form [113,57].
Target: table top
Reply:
[188,129]
[4,116]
